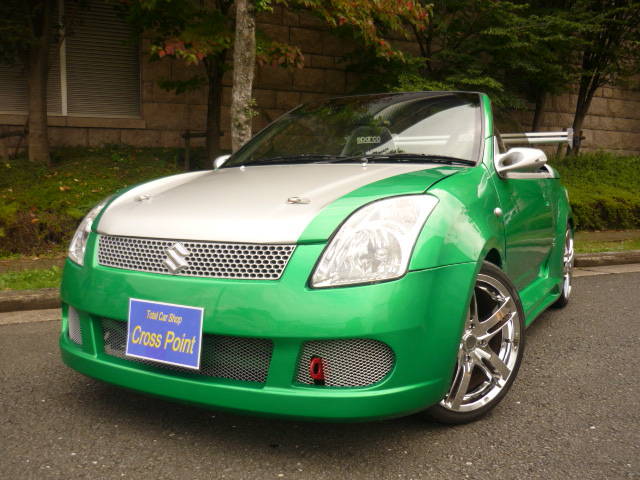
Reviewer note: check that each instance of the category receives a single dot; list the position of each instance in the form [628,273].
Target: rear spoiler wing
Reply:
[538,138]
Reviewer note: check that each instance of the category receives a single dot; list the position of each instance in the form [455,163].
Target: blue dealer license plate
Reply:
[165,333]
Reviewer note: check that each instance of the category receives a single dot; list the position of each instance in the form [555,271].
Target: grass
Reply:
[608,241]
[40,206]
[31,279]
[616,246]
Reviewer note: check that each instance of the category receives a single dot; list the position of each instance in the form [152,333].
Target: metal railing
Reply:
[538,138]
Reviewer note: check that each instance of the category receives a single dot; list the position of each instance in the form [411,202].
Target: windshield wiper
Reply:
[407,157]
[327,158]
[289,159]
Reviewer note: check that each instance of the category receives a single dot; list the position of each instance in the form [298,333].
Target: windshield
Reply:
[415,127]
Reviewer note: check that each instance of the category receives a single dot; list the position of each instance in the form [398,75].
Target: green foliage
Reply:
[18,23]
[276,54]
[609,36]
[604,189]
[370,21]
[31,279]
[514,51]
[190,31]
[532,51]
[40,207]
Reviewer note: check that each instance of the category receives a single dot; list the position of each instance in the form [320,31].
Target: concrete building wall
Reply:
[613,123]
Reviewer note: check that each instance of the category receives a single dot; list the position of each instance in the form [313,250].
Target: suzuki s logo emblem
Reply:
[298,201]
[176,260]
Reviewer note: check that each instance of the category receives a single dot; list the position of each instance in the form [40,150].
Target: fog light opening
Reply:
[316,370]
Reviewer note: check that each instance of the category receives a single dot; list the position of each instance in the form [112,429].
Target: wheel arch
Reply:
[463,226]
[493,256]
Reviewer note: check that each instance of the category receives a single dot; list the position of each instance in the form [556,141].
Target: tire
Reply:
[490,352]
[568,258]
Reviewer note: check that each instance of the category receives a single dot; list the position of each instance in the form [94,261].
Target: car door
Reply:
[529,222]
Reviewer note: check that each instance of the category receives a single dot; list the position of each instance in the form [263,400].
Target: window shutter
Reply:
[13,86]
[102,64]
[13,89]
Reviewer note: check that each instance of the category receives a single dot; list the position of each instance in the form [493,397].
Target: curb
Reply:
[602,259]
[16,300]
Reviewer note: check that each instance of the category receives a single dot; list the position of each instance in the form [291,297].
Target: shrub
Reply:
[604,189]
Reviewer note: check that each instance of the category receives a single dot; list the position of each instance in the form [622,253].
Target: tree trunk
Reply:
[215,70]
[36,71]
[244,59]
[588,87]
[590,81]
[538,114]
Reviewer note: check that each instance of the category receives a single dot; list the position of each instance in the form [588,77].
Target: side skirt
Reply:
[538,296]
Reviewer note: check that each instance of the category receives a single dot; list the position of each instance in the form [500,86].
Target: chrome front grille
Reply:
[205,259]
[235,358]
[356,362]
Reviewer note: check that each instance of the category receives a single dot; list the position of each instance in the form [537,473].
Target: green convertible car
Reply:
[360,258]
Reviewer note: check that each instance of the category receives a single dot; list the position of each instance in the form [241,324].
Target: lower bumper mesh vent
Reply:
[356,362]
[73,320]
[236,358]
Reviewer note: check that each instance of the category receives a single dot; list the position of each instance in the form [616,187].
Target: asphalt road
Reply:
[574,412]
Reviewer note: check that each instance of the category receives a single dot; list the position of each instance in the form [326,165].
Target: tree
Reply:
[463,47]
[244,59]
[517,52]
[199,33]
[26,31]
[366,19]
[536,57]
[371,21]
[609,32]
[195,33]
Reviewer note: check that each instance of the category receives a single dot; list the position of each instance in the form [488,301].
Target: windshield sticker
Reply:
[372,139]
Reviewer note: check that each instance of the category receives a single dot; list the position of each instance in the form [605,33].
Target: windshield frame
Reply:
[480,119]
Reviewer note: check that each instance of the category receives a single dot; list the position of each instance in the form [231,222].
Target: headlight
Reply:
[375,243]
[79,241]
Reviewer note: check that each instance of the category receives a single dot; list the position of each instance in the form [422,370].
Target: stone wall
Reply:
[613,123]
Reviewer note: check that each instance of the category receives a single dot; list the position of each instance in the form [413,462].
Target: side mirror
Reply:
[517,159]
[219,161]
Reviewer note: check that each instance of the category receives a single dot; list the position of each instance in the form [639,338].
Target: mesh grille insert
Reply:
[356,362]
[235,358]
[205,259]
[73,320]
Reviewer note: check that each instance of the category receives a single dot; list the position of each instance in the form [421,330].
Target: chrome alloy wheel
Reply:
[567,263]
[489,348]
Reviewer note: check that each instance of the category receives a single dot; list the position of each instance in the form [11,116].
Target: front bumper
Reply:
[419,316]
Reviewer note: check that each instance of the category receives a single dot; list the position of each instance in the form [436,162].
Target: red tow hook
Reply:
[316,370]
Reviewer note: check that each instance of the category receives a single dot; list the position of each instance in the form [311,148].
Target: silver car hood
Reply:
[248,205]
